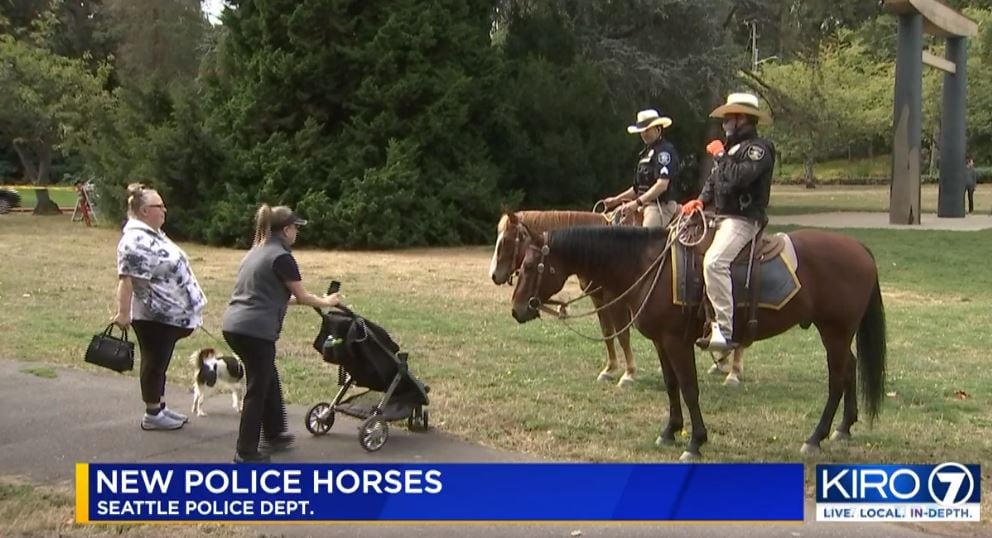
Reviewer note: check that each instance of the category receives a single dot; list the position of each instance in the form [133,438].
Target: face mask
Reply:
[729,126]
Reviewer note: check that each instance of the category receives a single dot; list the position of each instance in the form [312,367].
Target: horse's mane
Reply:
[545,221]
[599,247]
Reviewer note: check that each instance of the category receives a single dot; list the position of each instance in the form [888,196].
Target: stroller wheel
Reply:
[373,433]
[417,421]
[320,418]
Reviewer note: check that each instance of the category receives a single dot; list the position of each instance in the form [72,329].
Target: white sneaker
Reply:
[174,415]
[161,421]
[718,342]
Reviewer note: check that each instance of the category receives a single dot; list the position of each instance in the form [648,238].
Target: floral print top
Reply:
[165,288]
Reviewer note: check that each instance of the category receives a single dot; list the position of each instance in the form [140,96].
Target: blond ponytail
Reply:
[263,224]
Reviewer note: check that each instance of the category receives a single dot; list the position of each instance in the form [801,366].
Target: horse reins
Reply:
[677,233]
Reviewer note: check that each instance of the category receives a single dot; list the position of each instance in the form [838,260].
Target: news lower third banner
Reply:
[438,492]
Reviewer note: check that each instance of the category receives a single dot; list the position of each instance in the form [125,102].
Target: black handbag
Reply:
[110,351]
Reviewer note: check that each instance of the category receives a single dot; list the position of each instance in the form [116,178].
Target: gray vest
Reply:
[258,304]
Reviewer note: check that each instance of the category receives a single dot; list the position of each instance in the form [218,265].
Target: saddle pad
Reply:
[778,280]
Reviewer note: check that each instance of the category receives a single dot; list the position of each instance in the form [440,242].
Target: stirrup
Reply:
[716,341]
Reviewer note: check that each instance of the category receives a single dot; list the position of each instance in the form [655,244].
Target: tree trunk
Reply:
[713,132]
[36,158]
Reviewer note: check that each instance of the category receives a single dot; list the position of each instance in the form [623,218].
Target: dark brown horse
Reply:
[840,295]
[514,233]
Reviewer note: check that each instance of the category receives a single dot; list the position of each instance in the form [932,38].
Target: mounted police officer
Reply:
[738,189]
[655,189]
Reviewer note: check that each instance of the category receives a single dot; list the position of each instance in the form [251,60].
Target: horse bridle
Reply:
[520,236]
[534,303]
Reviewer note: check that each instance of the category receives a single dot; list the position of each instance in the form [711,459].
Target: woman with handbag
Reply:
[268,276]
[158,295]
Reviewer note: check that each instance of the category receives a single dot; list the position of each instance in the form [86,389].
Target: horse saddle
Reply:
[771,282]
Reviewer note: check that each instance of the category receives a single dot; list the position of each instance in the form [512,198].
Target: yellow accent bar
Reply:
[82,493]
[39,187]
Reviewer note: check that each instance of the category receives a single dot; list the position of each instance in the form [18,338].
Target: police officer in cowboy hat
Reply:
[657,169]
[738,189]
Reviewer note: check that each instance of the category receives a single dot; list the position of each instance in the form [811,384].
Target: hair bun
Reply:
[135,188]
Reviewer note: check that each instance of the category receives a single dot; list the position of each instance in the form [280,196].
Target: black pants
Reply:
[263,405]
[971,199]
[156,341]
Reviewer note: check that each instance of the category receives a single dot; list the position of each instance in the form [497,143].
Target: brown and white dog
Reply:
[217,372]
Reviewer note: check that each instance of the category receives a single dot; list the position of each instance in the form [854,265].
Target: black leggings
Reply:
[263,405]
[156,341]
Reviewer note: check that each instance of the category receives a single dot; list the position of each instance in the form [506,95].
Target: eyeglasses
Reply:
[160,206]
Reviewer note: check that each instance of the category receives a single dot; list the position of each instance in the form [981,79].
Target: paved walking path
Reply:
[841,219]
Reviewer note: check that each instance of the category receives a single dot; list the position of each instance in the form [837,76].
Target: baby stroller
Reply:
[367,357]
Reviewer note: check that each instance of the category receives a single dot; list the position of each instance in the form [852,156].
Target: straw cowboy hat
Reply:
[647,119]
[742,103]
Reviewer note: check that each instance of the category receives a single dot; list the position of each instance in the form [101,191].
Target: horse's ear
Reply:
[511,216]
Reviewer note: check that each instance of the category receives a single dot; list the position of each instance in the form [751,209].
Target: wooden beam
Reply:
[940,63]
[945,19]
[898,7]
[939,19]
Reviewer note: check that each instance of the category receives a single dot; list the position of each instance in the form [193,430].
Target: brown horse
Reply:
[514,233]
[840,295]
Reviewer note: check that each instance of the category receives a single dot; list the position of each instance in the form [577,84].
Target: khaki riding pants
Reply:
[732,235]
[659,214]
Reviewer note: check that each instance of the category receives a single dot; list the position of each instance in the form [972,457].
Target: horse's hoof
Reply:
[731,381]
[664,441]
[840,436]
[809,450]
[689,456]
[714,370]
[604,376]
[625,381]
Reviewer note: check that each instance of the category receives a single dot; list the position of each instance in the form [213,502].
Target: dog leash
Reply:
[218,340]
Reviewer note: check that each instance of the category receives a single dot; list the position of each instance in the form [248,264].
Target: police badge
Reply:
[755,153]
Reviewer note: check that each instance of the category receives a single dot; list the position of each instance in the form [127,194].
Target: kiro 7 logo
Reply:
[955,476]
[947,485]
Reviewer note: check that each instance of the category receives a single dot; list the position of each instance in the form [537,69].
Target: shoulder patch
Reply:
[755,153]
[664,157]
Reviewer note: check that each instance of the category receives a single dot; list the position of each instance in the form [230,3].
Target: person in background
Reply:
[655,187]
[268,282]
[970,182]
[158,295]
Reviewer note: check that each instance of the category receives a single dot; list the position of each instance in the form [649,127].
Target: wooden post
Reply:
[950,195]
[904,194]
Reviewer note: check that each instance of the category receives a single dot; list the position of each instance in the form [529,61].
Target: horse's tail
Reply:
[871,353]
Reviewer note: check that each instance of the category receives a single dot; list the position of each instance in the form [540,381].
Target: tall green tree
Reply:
[371,117]
[48,103]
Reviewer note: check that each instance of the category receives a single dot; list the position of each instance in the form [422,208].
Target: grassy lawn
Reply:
[61,196]
[878,167]
[795,199]
[531,388]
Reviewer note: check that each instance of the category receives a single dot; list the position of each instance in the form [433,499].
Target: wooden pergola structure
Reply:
[935,18]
